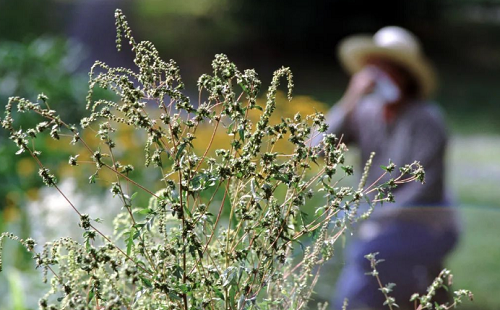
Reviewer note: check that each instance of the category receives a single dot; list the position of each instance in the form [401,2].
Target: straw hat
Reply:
[394,43]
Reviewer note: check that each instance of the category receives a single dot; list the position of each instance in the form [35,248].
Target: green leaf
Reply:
[137,234]
[282,178]
[133,195]
[144,211]
[138,295]
[252,187]
[180,149]
[199,182]
[173,296]
[178,271]
[241,132]
[186,210]
[130,241]
[232,294]
[326,184]
[92,178]
[184,288]
[90,296]
[146,282]
[241,301]
[229,276]
[243,86]
[150,222]
[218,293]
[230,128]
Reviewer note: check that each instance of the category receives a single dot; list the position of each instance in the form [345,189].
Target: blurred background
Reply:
[49,45]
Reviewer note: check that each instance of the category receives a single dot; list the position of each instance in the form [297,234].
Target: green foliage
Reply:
[179,251]
[474,261]
[45,65]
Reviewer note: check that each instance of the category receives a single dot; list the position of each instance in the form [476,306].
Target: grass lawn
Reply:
[474,170]
[475,263]
[474,175]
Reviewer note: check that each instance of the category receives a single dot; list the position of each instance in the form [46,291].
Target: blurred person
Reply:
[386,110]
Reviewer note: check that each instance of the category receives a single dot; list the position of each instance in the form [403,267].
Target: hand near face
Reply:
[360,85]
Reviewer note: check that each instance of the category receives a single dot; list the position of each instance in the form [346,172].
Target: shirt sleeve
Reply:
[428,145]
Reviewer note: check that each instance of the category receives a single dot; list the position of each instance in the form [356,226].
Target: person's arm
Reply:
[429,141]
[339,118]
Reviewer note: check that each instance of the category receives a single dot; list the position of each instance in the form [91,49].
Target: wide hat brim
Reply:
[354,51]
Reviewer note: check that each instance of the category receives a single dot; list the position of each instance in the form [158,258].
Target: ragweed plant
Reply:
[221,225]
[423,301]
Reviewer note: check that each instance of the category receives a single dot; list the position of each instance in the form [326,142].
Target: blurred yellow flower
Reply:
[125,137]
[304,105]
[64,170]
[51,144]
[26,166]
[11,211]
[32,194]
[10,214]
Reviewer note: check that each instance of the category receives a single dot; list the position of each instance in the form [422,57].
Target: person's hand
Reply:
[361,84]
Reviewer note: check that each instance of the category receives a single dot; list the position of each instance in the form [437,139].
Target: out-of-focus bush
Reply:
[188,25]
[46,64]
